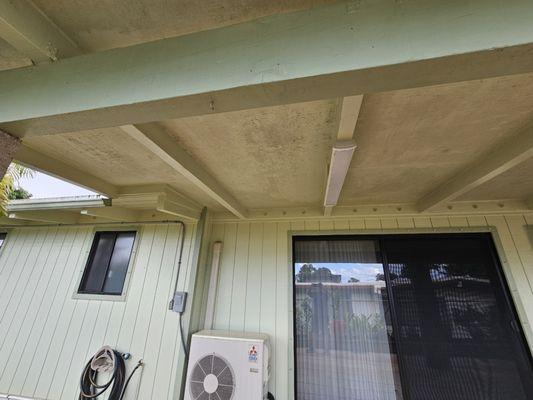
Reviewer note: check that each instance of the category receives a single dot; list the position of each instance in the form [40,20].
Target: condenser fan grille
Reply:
[212,379]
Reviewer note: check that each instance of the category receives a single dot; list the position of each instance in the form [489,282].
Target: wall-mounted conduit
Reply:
[213,283]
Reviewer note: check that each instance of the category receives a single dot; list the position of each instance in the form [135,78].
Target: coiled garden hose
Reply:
[105,360]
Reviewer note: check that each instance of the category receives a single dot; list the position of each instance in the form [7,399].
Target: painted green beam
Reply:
[339,50]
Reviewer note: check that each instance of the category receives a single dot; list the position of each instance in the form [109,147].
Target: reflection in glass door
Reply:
[456,327]
[344,345]
[411,317]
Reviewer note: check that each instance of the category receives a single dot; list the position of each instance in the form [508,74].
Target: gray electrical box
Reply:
[179,302]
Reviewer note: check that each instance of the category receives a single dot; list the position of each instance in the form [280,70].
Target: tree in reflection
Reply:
[309,274]
[381,277]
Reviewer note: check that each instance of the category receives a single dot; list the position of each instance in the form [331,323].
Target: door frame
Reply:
[499,253]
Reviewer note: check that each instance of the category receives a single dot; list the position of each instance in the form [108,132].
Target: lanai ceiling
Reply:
[109,24]
[410,142]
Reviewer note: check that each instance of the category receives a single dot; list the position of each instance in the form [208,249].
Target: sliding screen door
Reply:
[456,330]
[406,317]
[344,348]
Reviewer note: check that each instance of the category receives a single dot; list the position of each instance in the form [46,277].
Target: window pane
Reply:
[118,266]
[96,269]
[344,343]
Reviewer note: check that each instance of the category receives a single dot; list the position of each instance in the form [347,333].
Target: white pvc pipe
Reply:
[213,283]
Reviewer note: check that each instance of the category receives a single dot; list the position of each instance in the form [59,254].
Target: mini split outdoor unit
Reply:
[227,366]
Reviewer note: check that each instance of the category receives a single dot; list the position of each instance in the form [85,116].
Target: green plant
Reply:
[372,324]
[13,175]
[304,315]
[19,193]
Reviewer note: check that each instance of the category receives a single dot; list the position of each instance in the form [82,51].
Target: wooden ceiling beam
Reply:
[157,140]
[367,48]
[25,27]
[176,209]
[500,159]
[113,213]
[6,221]
[51,216]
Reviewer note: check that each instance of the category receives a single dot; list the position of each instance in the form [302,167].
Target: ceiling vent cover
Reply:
[212,378]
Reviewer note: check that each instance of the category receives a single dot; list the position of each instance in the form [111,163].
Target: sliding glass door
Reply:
[405,317]
[344,344]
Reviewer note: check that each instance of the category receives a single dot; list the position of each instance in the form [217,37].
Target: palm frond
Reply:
[13,175]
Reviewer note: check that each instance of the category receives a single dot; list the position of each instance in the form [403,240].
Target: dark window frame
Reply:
[89,264]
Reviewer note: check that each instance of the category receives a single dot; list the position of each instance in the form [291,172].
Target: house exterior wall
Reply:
[47,334]
[255,277]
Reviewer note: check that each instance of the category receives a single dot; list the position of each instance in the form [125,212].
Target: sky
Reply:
[42,186]
[364,272]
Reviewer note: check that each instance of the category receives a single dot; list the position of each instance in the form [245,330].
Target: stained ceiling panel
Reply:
[269,157]
[517,183]
[411,141]
[107,24]
[11,58]
[113,156]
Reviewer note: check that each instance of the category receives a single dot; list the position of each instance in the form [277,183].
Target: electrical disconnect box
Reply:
[179,302]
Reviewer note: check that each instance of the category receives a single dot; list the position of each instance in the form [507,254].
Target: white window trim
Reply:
[7,233]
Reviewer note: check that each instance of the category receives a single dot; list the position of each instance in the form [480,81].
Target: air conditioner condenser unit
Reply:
[228,366]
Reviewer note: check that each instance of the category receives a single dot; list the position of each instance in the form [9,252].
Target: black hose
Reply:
[139,364]
[90,389]
[117,383]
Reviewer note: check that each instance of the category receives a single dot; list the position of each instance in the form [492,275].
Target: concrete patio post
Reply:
[8,146]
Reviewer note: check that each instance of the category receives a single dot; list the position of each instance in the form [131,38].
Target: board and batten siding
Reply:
[255,277]
[47,335]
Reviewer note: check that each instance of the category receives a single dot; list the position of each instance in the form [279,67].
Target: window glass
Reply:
[455,334]
[344,346]
[118,266]
[107,266]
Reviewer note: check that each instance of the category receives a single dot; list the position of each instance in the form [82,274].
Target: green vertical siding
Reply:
[254,287]
[47,335]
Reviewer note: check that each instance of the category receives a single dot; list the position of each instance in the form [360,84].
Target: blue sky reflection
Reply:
[364,272]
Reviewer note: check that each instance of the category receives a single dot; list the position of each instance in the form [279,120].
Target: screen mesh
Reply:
[454,325]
